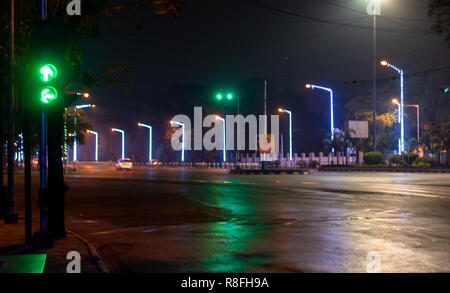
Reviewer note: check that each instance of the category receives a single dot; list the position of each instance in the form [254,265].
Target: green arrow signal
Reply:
[48,72]
[48,94]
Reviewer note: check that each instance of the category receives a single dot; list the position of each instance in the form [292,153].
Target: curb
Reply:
[270,172]
[95,257]
[388,170]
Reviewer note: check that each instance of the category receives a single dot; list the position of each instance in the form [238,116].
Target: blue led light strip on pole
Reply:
[150,155]
[123,140]
[224,138]
[182,146]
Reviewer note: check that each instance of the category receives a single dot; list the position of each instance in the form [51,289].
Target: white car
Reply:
[124,164]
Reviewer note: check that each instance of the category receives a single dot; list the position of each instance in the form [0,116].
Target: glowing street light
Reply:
[75,149]
[290,130]
[182,146]
[385,63]
[150,159]
[96,143]
[123,140]
[311,86]
[224,138]
[395,101]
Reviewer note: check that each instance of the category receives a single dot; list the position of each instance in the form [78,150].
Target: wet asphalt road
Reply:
[174,220]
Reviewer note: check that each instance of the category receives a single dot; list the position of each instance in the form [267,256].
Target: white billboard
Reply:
[360,129]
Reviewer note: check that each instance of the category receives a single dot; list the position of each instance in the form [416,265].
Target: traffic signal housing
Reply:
[48,90]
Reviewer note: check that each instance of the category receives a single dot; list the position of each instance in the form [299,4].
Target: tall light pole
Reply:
[96,143]
[418,119]
[75,150]
[150,156]
[385,63]
[224,137]
[311,86]
[374,8]
[182,146]
[290,130]
[395,101]
[123,140]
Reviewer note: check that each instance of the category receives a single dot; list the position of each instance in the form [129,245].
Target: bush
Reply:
[410,158]
[425,162]
[373,158]
[396,159]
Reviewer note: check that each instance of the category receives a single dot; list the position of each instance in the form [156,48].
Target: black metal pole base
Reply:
[11,218]
[42,240]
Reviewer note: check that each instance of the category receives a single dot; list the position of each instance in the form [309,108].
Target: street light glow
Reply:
[402,101]
[290,130]
[123,140]
[308,86]
[96,143]
[150,155]
[224,137]
[312,86]
[182,145]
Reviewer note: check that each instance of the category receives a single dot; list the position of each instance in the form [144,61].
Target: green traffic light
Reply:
[48,94]
[48,72]
[447,90]
[229,96]
[219,97]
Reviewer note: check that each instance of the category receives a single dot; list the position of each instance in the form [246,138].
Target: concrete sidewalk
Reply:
[12,243]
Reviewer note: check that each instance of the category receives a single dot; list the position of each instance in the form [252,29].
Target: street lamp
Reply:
[182,146]
[290,130]
[224,138]
[385,63]
[395,101]
[418,119]
[96,143]
[150,159]
[75,149]
[123,140]
[311,86]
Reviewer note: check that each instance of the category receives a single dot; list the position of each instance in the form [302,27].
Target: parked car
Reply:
[124,164]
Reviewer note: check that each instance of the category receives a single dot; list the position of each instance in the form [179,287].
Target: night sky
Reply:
[235,44]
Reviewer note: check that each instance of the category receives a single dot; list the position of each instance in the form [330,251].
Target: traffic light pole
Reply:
[42,239]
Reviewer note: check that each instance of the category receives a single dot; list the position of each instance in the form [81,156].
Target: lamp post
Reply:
[418,119]
[224,137]
[395,101]
[385,63]
[290,130]
[311,86]
[96,143]
[182,145]
[374,9]
[123,140]
[150,156]
[75,150]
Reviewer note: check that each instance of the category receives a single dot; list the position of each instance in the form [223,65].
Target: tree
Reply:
[440,9]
